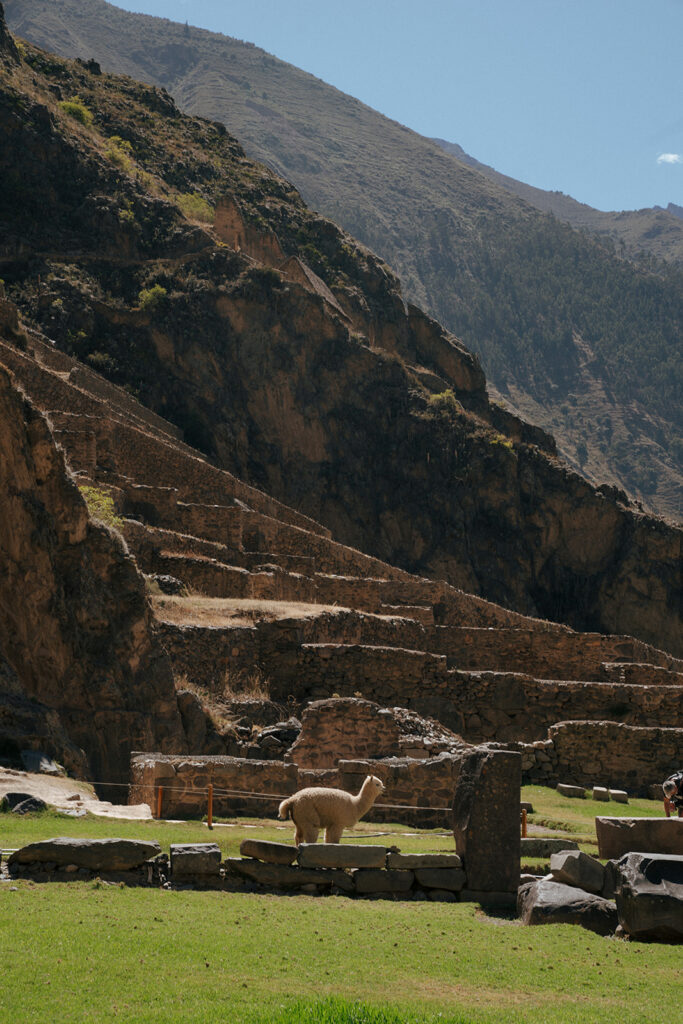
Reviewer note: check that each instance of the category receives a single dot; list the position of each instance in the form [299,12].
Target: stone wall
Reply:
[555,654]
[418,793]
[602,753]
[344,729]
[231,227]
[215,522]
[207,656]
[478,705]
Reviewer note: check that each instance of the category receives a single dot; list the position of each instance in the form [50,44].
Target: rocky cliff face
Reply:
[81,674]
[334,396]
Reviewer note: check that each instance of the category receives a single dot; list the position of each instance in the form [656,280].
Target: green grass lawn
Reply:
[85,952]
[89,951]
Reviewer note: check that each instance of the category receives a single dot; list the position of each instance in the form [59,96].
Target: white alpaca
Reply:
[332,809]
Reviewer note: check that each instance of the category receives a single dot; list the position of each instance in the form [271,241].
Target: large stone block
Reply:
[369,880]
[336,855]
[452,879]
[189,859]
[574,792]
[649,895]
[410,861]
[280,876]
[572,867]
[533,847]
[93,854]
[549,902]
[617,836]
[486,819]
[270,853]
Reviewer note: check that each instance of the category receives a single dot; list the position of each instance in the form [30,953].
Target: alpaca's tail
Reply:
[284,808]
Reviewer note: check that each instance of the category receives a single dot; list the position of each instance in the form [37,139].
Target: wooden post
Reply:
[209,817]
[160,796]
[523,822]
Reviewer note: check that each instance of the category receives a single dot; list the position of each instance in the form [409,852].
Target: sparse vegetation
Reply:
[241,683]
[195,207]
[500,439]
[120,152]
[212,706]
[216,611]
[149,299]
[101,506]
[77,109]
[445,404]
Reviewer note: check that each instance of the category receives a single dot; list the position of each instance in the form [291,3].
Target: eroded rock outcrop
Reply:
[84,676]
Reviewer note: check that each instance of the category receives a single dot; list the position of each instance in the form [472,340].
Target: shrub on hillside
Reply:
[150,298]
[101,506]
[77,109]
[195,207]
[119,151]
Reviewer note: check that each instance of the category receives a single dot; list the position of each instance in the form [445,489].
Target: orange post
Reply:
[160,796]
[209,816]
[523,822]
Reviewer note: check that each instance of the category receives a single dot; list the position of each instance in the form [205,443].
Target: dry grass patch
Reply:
[231,611]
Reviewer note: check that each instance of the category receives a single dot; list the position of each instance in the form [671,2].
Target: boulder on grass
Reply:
[617,836]
[550,902]
[576,792]
[531,846]
[649,895]
[573,867]
[22,803]
[93,854]
[189,859]
[269,853]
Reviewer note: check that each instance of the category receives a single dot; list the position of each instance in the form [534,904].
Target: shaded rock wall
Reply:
[75,624]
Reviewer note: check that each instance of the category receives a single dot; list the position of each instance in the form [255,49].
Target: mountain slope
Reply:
[652,231]
[585,343]
[331,395]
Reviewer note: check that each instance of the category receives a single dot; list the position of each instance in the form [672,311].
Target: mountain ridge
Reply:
[569,335]
[359,411]
[652,230]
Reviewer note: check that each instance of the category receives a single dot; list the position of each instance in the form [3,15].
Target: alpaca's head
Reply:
[373,785]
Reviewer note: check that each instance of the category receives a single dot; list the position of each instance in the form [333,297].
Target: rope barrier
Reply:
[219,791]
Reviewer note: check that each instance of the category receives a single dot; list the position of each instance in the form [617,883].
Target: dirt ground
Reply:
[61,793]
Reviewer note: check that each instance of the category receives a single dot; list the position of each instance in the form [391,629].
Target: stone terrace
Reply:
[485,672]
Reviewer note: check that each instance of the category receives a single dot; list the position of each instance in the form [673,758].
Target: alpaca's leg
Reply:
[298,837]
[333,833]
[310,833]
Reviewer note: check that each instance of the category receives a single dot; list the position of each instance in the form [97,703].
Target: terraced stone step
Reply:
[75,391]
[480,706]
[563,653]
[130,439]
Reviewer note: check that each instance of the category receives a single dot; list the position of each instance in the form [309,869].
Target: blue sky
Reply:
[584,96]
